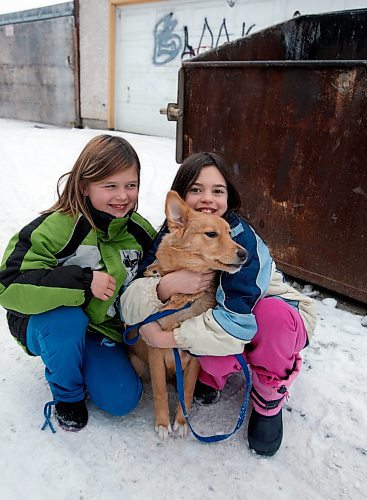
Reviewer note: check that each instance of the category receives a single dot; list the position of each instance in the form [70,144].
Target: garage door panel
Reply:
[135,113]
[147,91]
[142,87]
[135,22]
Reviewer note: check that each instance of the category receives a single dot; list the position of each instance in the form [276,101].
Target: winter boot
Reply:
[268,393]
[205,394]
[265,433]
[71,416]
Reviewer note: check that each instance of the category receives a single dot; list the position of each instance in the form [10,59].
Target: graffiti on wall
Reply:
[168,45]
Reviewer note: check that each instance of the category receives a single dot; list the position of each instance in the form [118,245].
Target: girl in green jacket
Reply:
[62,275]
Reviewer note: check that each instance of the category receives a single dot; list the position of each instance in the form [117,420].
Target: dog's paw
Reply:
[180,430]
[163,432]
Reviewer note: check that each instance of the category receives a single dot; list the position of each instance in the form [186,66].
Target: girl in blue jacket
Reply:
[257,313]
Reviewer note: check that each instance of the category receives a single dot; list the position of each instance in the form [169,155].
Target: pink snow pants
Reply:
[273,356]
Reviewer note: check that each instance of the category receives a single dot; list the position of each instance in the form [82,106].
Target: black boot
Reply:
[206,395]
[265,433]
[71,416]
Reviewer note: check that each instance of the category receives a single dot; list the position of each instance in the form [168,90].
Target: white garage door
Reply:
[152,39]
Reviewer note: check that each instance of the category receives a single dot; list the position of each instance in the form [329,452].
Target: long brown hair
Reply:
[190,170]
[101,157]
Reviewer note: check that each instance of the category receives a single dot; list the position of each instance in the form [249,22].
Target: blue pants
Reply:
[78,362]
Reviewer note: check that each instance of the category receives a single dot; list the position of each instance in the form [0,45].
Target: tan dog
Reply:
[196,242]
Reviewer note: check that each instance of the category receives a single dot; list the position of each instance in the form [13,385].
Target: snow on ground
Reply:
[324,451]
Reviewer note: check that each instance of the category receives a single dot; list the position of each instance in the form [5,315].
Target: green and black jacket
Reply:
[49,264]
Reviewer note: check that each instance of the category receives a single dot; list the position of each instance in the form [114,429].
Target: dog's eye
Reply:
[211,234]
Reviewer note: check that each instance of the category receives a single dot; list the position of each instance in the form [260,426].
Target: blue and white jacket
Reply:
[231,324]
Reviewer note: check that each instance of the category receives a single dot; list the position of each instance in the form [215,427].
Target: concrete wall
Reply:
[93,26]
[38,66]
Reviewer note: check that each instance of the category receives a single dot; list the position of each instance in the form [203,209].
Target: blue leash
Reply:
[179,378]
[153,317]
[241,416]
[47,413]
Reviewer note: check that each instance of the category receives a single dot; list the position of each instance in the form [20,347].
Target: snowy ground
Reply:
[324,452]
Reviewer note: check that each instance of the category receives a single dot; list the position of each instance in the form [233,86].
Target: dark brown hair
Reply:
[190,170]
[101,157]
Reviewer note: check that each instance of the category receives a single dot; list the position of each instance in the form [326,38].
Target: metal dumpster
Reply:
[287,108]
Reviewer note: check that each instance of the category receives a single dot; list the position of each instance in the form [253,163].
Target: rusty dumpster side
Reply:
[293,129]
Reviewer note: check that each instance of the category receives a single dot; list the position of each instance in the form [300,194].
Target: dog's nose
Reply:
[242,254]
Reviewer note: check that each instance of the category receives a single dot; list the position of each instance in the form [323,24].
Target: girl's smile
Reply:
[116,195]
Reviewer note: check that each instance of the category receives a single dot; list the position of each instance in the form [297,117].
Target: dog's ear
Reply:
[176,211]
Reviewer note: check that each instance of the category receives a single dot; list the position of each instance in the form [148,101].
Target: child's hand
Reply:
[183,281]
[154,336]
[103,285]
